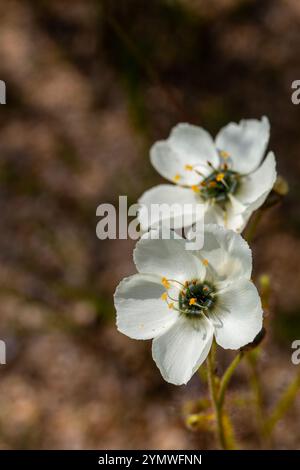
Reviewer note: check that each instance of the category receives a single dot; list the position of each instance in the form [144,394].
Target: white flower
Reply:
[227,176]
[182,298]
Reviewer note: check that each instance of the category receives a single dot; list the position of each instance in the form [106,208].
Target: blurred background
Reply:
[91,84]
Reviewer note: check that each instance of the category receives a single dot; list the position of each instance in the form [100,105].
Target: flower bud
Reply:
[200,421]
[281,186]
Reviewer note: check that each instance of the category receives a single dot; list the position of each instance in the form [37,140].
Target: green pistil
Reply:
[196,298]
[211,188]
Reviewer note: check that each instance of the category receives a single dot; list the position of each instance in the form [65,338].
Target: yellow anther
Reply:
[205,262]
[192,301]
[212,184]
[165,282]
[195,188]
[220,176]
[171,305]
[203,183]
[189,167]
[224,154]
[177,177]
[164,296]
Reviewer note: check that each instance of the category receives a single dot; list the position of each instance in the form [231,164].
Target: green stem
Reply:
[224,429]
[214,398]
[272,200]
[257,388]
[250,231]
[283,405]
[226,378]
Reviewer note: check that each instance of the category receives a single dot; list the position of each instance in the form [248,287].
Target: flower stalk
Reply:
[227,376]
[224,428]
[256,386]
[283,405]
[214,398]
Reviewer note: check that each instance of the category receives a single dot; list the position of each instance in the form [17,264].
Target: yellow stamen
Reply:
[212,184]
[176,177]
[192,301]
[220,176]
[205,262]
[164,296]
[188,167]
[195,188]
[165,282]
[171,305]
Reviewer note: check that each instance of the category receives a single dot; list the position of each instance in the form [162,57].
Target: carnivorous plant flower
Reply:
[182,299]
[228,176]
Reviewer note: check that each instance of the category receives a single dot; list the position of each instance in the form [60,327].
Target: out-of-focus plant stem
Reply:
[273,199]
[257,389]
[283,405]
[224,428]
[250,231]
[214,398]
[144,63]
[251,356]
[227,376]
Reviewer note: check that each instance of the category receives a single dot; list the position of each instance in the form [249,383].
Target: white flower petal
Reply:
[194,144]
[237,207]
[239,315]
[232,219]
[184,198]
[186,145]
[214,215]
[245,142]
[237,222]
[167,258]
[180,351]
[141,313]
[256,186]
[228,254]
[170,164]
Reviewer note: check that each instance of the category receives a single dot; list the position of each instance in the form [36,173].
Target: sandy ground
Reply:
[89,89]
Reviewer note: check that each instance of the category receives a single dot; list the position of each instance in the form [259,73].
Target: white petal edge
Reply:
[245,142]
[240,313]
[228,254]
[184,201]
[187,145]
[167,258]
[170,164]
[232,219]
[194,144]
[180,351]
[141,313]
[256,186]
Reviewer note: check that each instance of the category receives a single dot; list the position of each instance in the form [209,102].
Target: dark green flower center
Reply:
[219,184]
[196,298]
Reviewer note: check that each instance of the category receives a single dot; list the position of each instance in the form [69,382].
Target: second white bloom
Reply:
[227,176]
